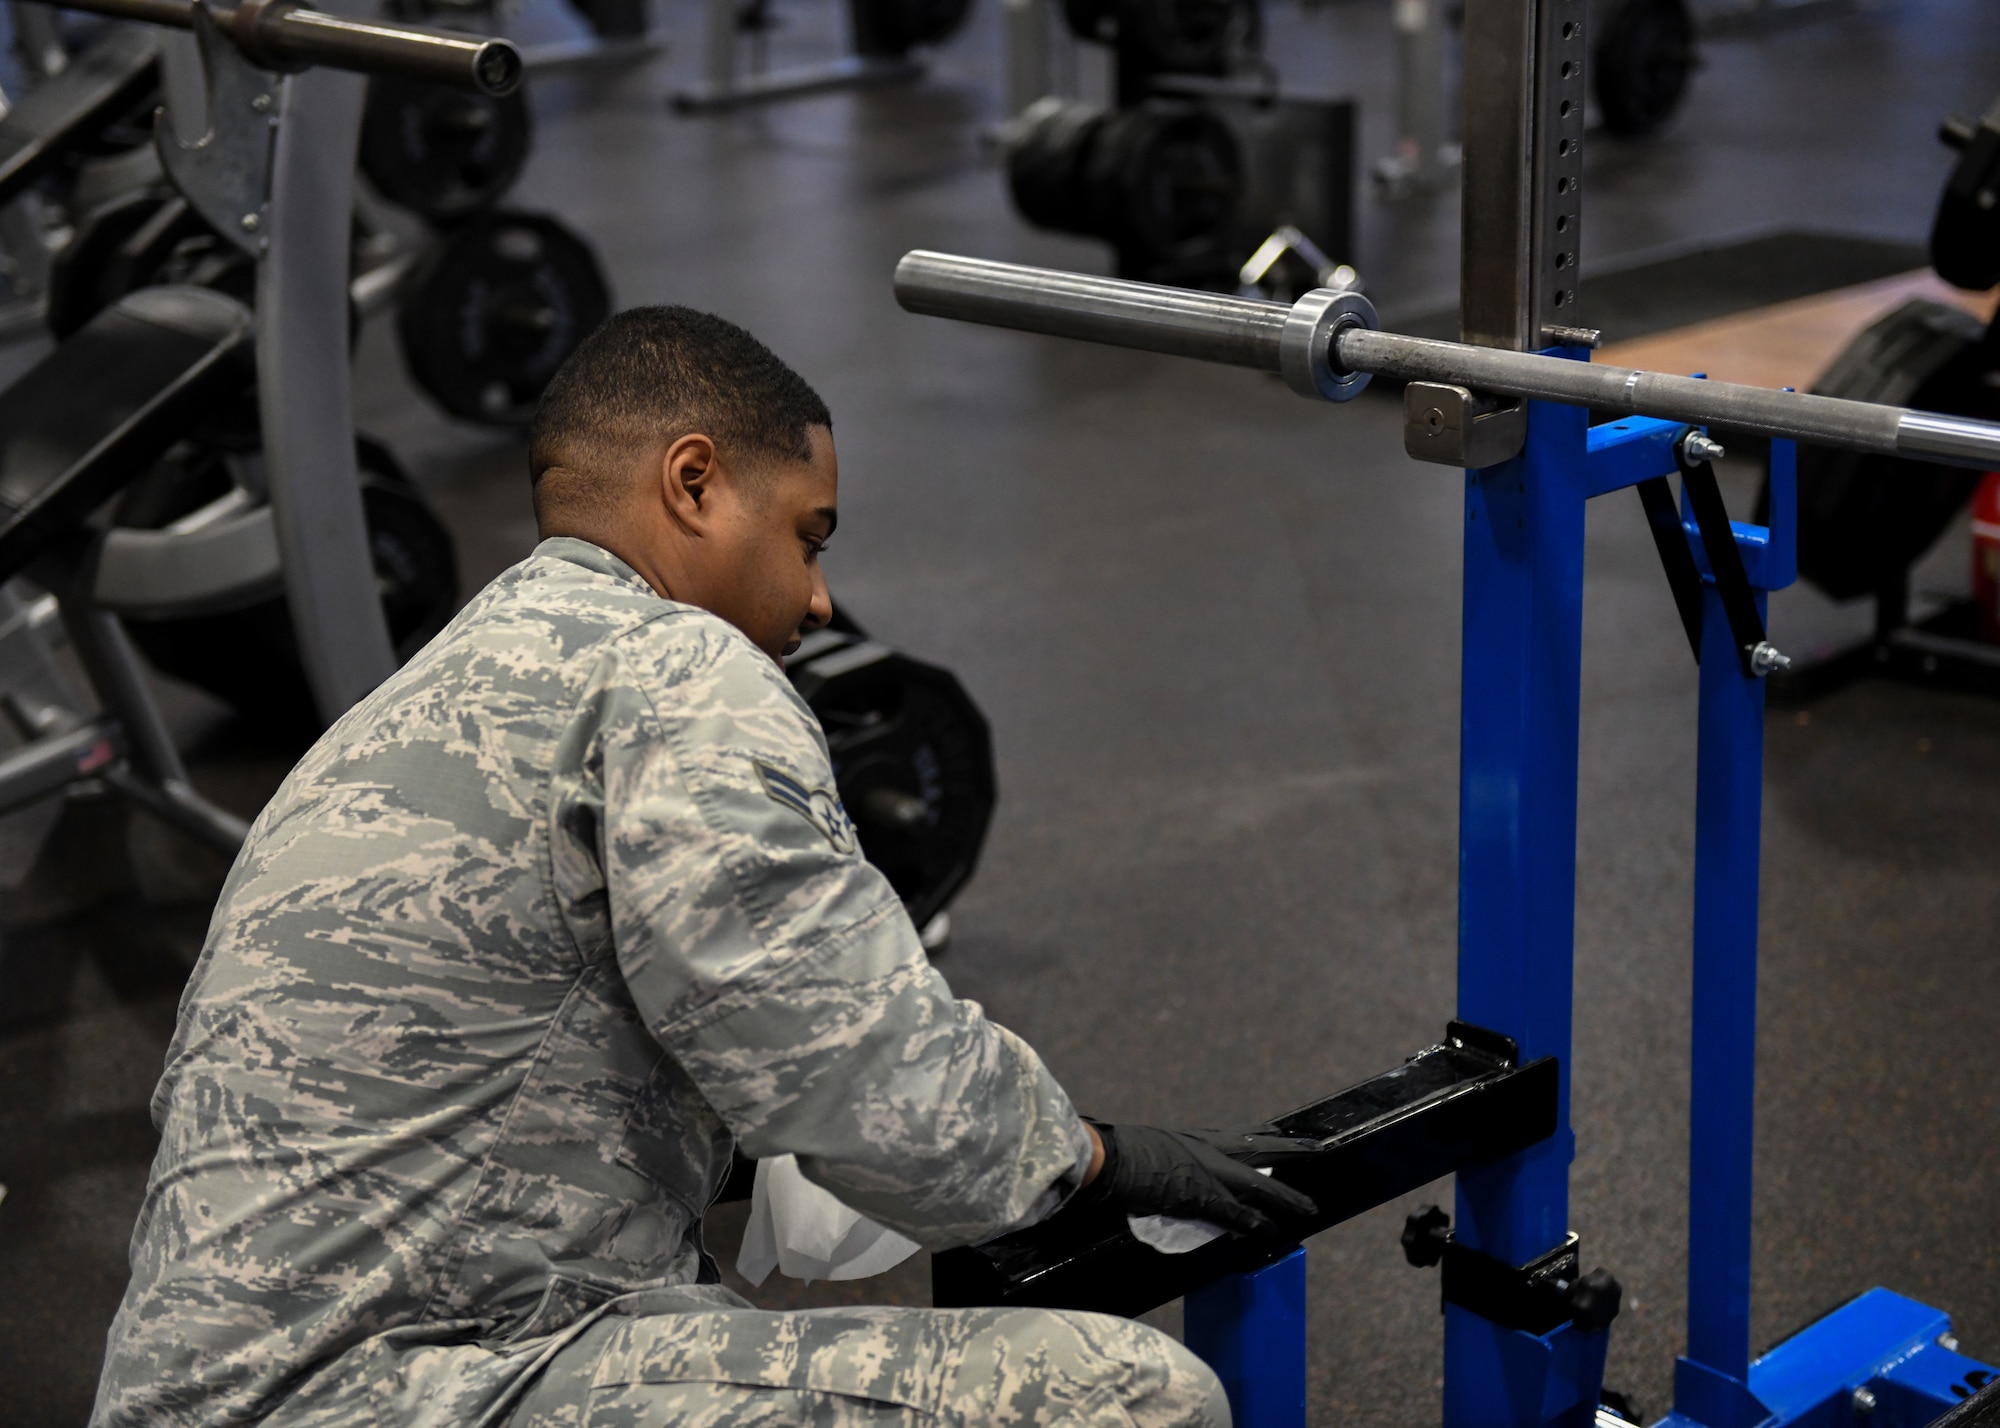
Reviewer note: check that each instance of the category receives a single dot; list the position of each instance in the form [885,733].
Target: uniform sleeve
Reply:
[781,971]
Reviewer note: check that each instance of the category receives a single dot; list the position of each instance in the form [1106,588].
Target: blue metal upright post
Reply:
[1711,1382]
[1251,1329]
[1522,667]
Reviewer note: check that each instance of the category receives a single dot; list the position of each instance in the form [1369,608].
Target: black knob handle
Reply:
[1596,1298]
[1425,1235]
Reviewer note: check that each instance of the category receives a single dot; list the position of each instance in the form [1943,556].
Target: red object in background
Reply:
[1986,556]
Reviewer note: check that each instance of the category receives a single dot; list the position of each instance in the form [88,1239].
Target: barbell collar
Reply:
[1248,332]
[278,35]
[1306,346]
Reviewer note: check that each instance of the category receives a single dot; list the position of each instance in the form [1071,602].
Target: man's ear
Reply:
[689,472]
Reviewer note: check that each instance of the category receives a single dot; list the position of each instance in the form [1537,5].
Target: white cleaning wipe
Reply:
[803,1232]
[1169,1235]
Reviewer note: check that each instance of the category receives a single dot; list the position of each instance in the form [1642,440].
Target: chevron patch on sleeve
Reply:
[820,807]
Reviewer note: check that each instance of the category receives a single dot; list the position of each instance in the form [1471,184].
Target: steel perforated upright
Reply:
[1522,660]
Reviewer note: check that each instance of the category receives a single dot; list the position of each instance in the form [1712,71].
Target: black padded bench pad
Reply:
[95,413]
[66,111]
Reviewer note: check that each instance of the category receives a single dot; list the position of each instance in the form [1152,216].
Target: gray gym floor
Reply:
[1216,629]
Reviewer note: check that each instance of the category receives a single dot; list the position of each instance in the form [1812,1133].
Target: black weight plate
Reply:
[1045,167]
[1164,181]
[1865,519]
[495,309]
[1644,56]
[913,760]
[894,27]
[442,152]
[248,658]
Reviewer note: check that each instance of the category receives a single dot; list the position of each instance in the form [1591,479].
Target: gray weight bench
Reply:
[75,430]
[106,81]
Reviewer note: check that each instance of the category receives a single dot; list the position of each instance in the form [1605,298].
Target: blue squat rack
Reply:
[1880,1360]
[1525,1330]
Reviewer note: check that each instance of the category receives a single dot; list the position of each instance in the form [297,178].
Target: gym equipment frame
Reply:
[272,168]
[1525,1331]
[283,190]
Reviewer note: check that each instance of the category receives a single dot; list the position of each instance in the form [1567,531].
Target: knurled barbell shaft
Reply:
[1241,332]
[1247,332]
[293,36]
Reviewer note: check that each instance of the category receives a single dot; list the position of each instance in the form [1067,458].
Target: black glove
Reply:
[1149,1171]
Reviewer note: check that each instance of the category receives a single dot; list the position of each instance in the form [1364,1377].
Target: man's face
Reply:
[764,576]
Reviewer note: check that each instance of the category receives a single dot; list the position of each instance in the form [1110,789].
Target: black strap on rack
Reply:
[1676,555]
[1711,518]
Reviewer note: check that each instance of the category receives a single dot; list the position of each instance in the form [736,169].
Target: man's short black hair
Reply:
[652,375]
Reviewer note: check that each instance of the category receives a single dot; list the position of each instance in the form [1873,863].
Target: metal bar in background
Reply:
[277,35]
[1245,332]
[1424,158]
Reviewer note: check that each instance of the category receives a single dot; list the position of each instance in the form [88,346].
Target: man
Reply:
[541,930]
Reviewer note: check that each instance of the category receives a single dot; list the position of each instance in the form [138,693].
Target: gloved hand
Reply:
[1149,1171]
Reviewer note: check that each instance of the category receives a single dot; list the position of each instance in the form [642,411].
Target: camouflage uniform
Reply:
[515,955]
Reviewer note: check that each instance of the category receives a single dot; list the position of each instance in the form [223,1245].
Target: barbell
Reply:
[1328,344]
[280,35]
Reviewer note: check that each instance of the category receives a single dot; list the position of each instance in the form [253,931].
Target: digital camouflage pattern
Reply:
[512,958]
[877,1368]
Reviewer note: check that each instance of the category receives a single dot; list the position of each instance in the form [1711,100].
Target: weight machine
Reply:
[199,580]
[1525,1328]
[270,167]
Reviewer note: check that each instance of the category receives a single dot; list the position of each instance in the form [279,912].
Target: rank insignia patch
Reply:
[820,807]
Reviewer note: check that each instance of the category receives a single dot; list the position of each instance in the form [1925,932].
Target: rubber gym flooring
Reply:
[1215,629]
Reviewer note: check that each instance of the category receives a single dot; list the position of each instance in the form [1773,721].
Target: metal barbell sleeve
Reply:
[1333,337]
[275,34]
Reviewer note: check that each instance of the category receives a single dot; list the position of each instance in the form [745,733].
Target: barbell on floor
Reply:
[1327,345]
